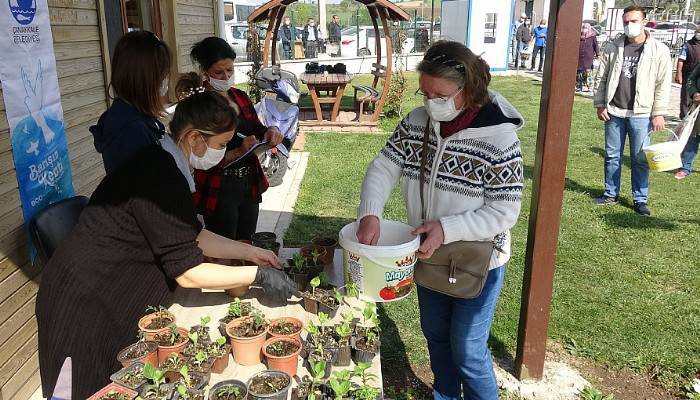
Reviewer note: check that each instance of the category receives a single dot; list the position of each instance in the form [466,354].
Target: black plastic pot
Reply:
[329,367]
[166,391]
[331,311]
[119,375]
[200,380]
[281,395]
[263,239]
[310,305]
[230,382]
[362,356]
[344,356]
[301,279]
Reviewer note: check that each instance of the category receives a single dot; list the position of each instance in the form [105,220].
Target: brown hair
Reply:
[454,62]
[635,8]
[140,64]
[200,109]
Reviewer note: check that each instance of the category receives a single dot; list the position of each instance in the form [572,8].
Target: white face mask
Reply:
[697,36]
[442,110]
[222,85]
[210,159]
[632,30]
[164,87]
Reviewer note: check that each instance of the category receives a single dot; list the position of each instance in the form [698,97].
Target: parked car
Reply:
[364,44]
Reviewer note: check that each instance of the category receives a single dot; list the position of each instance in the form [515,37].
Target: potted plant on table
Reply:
[299,271]
[130,377]
[173,340]
[269,385]
[366,343]
[219,351]
[365,391]
[247,338]
[114,392]
[328,244]
[312,388]
[186,389]
[142,351]
[201,364]
[282,353]
[156,388]
[340,385]
[202,330]
[314,255]
[231,389]
[343,335]
[330,304]
[286,327]
[172,366]
[158,319]
[236,309]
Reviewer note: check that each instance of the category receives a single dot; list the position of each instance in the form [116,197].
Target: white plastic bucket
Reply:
[383,272]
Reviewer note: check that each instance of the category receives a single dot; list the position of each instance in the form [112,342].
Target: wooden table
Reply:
[334,83]
[191,304]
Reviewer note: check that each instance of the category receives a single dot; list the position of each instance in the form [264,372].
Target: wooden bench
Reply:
[366,95]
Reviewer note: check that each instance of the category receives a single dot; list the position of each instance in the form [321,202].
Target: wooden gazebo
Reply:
[381,12]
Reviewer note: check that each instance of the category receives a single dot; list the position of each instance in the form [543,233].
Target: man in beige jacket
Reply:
[631,97]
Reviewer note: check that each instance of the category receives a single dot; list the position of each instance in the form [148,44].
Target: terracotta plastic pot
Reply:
[246,351]
[172,376]
[307,252]
[230,382]
[288,363]
[329,245]
[291,320]
[113,387]
[165,351]
[150,358]
[146,320]
[221,363]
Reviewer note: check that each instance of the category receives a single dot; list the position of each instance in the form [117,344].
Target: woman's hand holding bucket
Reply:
[368,232]
[432,238]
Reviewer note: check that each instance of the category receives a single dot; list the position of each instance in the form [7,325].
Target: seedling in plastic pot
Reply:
[361,371]
[340,383]
[324,279]
[315,254]
[338,296]
[194,337]
[316,282]
[323,320]
[199,358]
[204,321]
[299,263]
[258,320]
[369,313]
[352,290]
[155,376]
[235,309]
[343,330]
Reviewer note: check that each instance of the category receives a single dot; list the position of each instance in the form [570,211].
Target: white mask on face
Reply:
[164,87]
[210,159]
[697,36]
[442,110]
[222,85]
[632,30]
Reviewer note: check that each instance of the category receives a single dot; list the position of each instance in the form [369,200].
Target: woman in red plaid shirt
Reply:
[229,198]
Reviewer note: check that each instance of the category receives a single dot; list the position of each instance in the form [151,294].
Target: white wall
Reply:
[496,54]
[454,20]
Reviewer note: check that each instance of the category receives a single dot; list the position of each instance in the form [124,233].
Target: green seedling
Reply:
[258,320]
[347,317]
[323,320]
[185,372]
[155,376]
[313,332]
[340,383]
[361,370]
[315,254]
[352,290]
[324,279]
[371,338]
[228,391]
[235,309]
[369,313]
[173,334]
[365,393]
[343,330]
[182,390]
[194,338]
[319,372]
[338,296]
[316,282]
[204,321]
[298,263]
[199,358]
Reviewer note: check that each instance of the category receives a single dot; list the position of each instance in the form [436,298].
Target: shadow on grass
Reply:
[634,221]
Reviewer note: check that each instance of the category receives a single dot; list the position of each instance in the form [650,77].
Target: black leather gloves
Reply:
[276,284]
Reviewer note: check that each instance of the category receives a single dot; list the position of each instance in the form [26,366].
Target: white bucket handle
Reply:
[675,137]
[374,260]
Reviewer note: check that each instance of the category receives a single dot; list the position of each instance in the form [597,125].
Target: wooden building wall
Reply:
[195,21]
[78,46]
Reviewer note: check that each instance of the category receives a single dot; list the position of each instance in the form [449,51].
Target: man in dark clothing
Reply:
[523,38]
[310,38]
[334,35]
[687,60]
[288,33]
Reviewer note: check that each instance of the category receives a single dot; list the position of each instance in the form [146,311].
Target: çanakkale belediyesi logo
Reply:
[23,10]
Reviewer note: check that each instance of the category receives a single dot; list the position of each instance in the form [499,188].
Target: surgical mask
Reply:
[222,85]
[632,30]
[697,36]
[210,159]
[441,109]
[163,87]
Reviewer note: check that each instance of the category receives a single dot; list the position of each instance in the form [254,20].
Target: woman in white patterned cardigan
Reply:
[472,189]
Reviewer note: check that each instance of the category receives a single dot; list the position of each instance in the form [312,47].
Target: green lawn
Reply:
[627,289]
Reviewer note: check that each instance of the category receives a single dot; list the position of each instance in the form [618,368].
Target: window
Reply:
[140,15]
[228,11]
[243,11]
[490,28]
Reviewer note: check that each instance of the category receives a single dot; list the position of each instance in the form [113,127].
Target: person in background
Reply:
[478,200]
[690,151]
[140,74]
[523,35]
[539,35]
[289,35]
[587,52]
[334,35]
[631,104]
[310,36]
[136,241]
[423,39]
[514,42]
[229,194]
[688,58]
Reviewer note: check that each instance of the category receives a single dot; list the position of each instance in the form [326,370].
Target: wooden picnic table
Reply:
[191,304]
[333,83]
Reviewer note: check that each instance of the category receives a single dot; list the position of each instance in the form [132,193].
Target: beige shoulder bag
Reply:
[458,269]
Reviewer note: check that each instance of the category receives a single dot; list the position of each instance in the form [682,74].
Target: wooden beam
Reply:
[278,20]
[379,105]
[548,185]
[377,42]
[268,35]
[104,49]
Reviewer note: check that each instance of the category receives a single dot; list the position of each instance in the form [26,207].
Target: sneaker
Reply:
[681,175]
[641,208]
[604,200]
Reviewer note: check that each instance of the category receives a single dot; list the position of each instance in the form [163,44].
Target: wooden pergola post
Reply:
[548,185]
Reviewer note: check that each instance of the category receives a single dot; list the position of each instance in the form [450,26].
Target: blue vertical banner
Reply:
[33,105]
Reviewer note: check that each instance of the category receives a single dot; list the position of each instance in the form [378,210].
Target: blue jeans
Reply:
[457,331]
[616,131]
[689,152]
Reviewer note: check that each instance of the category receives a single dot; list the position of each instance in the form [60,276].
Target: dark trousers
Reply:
[685,99]
[236,214]
[537,50]
[286,51]
[311,48]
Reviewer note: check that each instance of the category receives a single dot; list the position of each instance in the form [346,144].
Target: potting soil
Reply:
[221,393]
[268,384]
[160,323]
[114,396]
[247,330]
[282,348]
[139,350]
[285,328]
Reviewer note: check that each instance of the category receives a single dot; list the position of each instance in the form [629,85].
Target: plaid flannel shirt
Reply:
[208,183]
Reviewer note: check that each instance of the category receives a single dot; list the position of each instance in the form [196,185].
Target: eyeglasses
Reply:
[439,99]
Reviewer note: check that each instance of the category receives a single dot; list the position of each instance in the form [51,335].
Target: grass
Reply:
[627,289]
